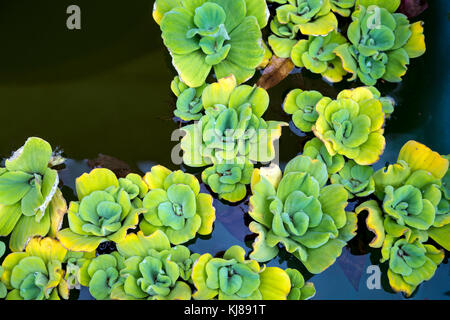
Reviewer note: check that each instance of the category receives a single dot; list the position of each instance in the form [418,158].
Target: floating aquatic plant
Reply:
[410,263]
[302,105]
[37,273]
[356,179]
[185,260]
[105,210]
[300,290]
[352,125]
[232,126]
[298,210]
[102,275]
[175,205]
[229,180]
[224,35]
[310,17]
[150,272]
[315,149]
[189,103]
[317,55]
[381,43]
[30,201]
[410,192]
[232,277]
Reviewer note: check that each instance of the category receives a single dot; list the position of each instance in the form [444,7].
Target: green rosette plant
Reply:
[229,180]
[189,103]
[30,201]
[3,290]
[300,290]
[185,260]
[175,205]
[105,210]
[410,193]
[102,275]
[409,190]
[311,17]
[315,149]
[224,35]
[232,126]
[152,269]
[37,273]
[381,43]
[302,105]
[317,55]
[298,210]
[357,180]
[410,263]
[352,125]
[232,277]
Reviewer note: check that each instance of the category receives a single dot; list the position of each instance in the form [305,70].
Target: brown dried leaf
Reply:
[275,72]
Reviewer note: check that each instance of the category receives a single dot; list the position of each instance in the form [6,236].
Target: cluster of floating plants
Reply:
[53,246]
[378,43]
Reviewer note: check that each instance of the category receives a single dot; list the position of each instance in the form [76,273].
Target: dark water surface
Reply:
[106,89]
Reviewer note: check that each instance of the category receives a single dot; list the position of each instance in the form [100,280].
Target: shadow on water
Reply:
[105,89]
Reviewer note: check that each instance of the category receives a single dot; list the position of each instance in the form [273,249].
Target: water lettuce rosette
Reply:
[175,205]
[229,180]
[381,43]
[185,260]
[152,269]
[224,35]
[299,211]
[300,290]
[37,273]
[232,126]
[315,149]
[30,202]
[105,210]
[317,55]
[102,275]
[311,17]
[410,263]
[410,193]
[357,180]
[352,125]
[232,277]
[302,105]
[189,104]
